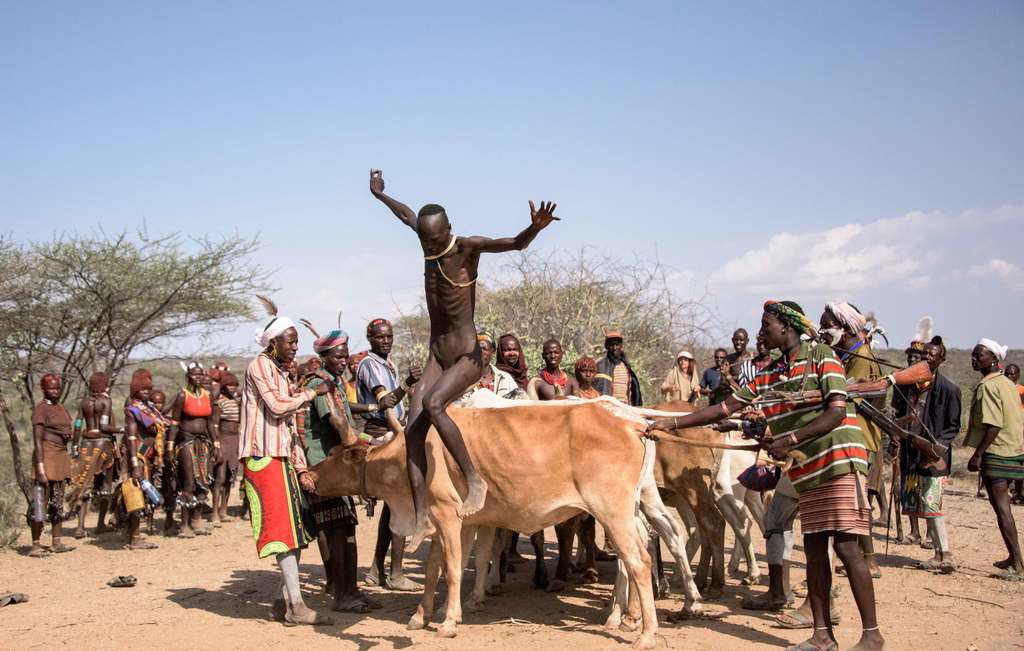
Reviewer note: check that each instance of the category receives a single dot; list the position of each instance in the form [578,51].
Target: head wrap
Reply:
[141,379]
[483,336]
[227,377]
[373,324]
[685,354]
[50,376]
[98,382]
[332,339]
[519,372]
[848,316]
[274,329]
[584,363]
[792,315]
[994,347]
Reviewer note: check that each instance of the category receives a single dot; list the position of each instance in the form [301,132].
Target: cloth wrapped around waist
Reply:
[56,460]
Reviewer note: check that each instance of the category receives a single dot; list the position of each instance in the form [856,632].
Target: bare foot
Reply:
[475,499]
[303,614]
[38,551]
[79,534]
[401,584]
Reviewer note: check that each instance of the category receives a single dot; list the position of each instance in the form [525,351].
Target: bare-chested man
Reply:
[454,364]
[93,449]
[553,383]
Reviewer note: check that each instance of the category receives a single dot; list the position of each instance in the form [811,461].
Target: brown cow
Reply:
[544,463]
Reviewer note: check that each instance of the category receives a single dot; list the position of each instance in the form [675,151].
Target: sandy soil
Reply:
[213,592]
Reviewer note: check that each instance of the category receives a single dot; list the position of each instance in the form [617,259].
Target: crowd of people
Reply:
[284,417]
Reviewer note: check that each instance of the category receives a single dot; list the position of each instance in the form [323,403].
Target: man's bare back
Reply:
[455,363]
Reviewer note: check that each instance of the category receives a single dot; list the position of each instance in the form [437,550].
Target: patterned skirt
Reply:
[839,505]
[994,466]
[328,513]
[921,496]
[92,472]
[275,505]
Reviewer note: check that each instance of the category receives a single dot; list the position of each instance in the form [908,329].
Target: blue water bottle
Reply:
[151,493]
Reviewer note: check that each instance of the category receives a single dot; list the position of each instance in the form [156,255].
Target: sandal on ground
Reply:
[186,533]
[807,645]
[371,578]
[1010,575]
[204,531]
[142,544]
[38,552]
[9,598]
[931,565]
[797,620]
[356,607]
[128,581]
[909,539]
[401,584]
[927,544]
[313,619]
[948,567]
[767,602]
[1003,564]
[61,548]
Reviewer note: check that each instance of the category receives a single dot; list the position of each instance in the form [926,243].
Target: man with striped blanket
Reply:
[830,457]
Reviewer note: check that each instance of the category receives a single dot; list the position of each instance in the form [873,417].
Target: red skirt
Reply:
[275,505]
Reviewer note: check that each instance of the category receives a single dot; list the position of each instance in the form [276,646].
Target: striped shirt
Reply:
[267,404]
[229,409]
[831,455]
[375,371]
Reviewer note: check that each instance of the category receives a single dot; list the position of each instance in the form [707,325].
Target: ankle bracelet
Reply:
[867,630]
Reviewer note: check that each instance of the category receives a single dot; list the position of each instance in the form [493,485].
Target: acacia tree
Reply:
[576,298]
[80,304]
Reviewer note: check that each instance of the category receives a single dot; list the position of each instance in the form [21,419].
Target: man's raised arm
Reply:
[539,220]
[402,211]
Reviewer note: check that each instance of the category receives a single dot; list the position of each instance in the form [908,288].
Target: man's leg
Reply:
[848,549]
[778,532]
[999,498]
[819,588]
[416,453]
[452,384]
[380,550]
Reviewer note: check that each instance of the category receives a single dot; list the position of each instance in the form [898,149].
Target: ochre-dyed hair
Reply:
[227,377]
[141,379]
[98,382]
[50,377]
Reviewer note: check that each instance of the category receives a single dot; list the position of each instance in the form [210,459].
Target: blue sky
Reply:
[861,151]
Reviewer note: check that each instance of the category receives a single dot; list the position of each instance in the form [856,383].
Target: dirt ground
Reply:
[213,592]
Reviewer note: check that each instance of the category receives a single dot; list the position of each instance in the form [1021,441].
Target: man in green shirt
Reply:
[329,425]
[996,431]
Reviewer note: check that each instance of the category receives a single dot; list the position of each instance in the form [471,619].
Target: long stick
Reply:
[19,471]
[957,596]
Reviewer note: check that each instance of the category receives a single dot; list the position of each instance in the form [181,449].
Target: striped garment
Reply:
[841,451]
[375,371]
[230,409]
[620,383]
[836,505]
[994,466]
[267,403]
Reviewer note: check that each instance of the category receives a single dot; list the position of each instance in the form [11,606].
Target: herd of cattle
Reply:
[552,463]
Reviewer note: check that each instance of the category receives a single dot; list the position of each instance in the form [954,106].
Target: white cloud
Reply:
[1007,272]
[856,257]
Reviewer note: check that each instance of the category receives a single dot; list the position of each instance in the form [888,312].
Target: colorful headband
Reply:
[373,324]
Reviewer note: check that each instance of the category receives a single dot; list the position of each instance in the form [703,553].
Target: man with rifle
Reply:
[928,419]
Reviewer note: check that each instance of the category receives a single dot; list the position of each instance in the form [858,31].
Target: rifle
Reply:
[934,452]
[919,372]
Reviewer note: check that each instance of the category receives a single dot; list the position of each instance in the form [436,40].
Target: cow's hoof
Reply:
[556,586]
[446,629]
[629,624]
[493,590]
[752,579]
[416,623]
[645,642]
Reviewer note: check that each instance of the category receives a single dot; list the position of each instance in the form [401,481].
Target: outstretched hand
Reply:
[376,182]
[541,218]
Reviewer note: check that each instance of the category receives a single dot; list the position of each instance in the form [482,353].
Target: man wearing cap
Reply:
[377,386]
[615,377]
[680,383]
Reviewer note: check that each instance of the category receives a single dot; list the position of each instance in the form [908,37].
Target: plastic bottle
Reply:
[38,503]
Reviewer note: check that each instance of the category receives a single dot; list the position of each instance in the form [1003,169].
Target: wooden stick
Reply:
[956,596]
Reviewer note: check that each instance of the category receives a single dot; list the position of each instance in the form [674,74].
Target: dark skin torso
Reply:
[92,409]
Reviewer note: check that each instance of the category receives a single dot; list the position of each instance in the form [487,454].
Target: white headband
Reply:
[992,345]
[273,329]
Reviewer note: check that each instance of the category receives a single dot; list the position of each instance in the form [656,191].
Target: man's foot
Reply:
[909,539]
[37,551]
[142,543]
[304,615]
[371,578]
[186,532]
[79,533]
[948,565]
[869,641]
[351,604]
[226,518]
[815,644]
[474,499]
[1004,564]
[767,601]
[60,548]
[799,620]
[401,584]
